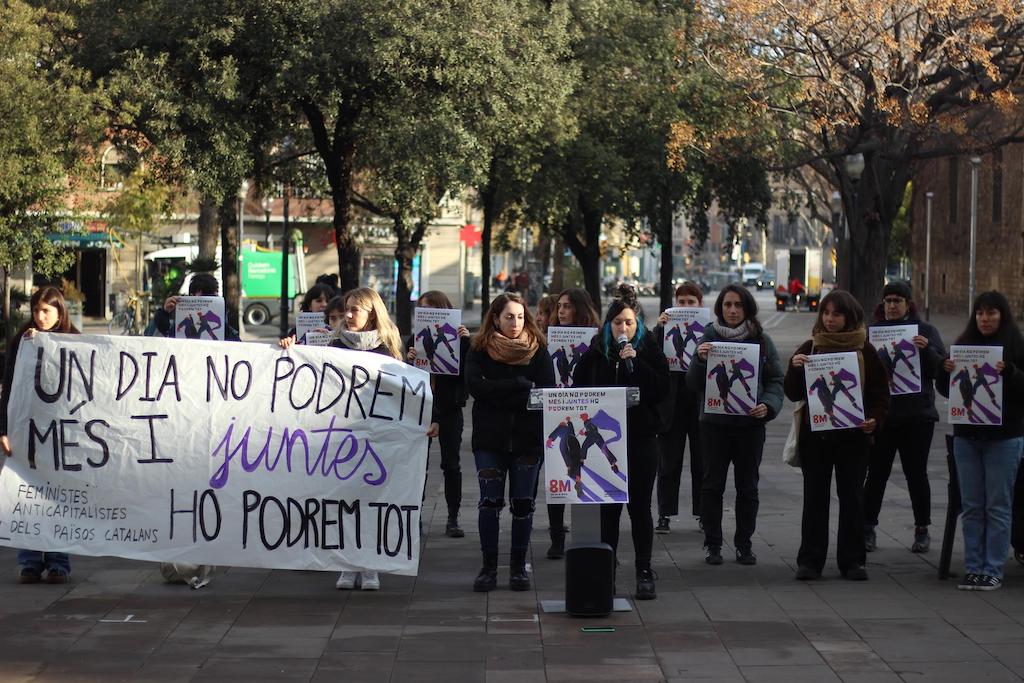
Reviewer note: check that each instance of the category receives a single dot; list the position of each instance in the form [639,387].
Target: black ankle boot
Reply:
[451,527]
[557,549]
[487,579]
[518,578]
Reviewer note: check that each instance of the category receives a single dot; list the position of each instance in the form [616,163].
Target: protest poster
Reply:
[199,317]
[731,387]
[899,356]
[975,386]
[684,327]
[306,322]
[587,428]
[835,397]
[567,346]
[215,453]
[316,338]
[436,339]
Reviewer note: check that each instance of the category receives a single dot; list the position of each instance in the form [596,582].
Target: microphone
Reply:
[623,340]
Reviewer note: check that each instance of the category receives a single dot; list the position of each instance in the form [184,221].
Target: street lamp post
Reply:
[267,203]
[854,166]
[971,275]
[928,196]
[243,191]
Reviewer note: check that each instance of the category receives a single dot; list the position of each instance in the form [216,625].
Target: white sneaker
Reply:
[371,582]
[346,581]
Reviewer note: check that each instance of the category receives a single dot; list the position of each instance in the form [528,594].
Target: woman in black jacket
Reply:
[449,400]
[639,362]
[507,358]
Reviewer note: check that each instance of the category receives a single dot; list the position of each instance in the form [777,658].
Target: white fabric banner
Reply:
[215,453]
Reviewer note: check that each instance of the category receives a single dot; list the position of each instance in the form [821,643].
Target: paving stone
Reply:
[788,674]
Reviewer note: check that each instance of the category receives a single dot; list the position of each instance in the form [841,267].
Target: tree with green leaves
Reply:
[48,127]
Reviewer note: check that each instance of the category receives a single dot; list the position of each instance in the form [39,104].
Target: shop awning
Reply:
[76,235]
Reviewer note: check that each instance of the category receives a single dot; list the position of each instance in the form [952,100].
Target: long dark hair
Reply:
[585,314]
[489,328]
[1008,335]
[435,298]
[748,304]
[845,304]
[51,296]
[314,293]
[625,298]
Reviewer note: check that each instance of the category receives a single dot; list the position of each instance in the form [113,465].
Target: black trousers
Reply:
[642,457]
[846,453]
[449,440]
[913,440]
[742,447]
[685,426]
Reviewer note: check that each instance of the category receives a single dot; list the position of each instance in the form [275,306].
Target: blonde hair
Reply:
[379,319]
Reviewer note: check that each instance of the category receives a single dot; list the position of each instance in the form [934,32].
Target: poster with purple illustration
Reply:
[975,386]
[199,317]
[732,369]
[306,322]
[436,338]
[684,327]
[585,445]
[835,398]
[567,345]
[899,356]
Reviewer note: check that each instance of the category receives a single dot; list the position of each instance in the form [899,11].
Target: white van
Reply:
[752,272]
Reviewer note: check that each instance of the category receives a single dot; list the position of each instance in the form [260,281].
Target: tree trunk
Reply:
[663,227]
[348,250]
[231,286]
[488,197]
[588,250]
[405,252]
[558,267]
[207,227]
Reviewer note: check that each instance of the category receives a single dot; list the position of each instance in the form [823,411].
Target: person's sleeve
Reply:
[650,374]
[162,323]
[772,381]
[583,371]
[932,355]
[942,377]
[5,397]
[876,389]
[544,373]
[697,373]
[511,392]
[793,383]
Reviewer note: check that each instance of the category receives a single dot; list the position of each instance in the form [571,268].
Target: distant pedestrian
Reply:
[988,456]
[838,328]
[507,358]
[545,313]
[449,400]
[909,425]
[573,308]
[641,363]
[683,424]
[734,439]
[49,314]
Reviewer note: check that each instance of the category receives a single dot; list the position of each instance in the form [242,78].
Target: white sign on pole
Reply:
[215,453]
[731,387]
[835,397]
[436,338]
[975,386]
[199,317]
[567,346]
[585,445]
[684,328]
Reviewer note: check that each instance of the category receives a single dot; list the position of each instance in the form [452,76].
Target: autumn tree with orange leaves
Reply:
[894,82]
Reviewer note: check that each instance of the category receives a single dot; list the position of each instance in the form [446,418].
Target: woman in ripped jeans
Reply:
[507,358]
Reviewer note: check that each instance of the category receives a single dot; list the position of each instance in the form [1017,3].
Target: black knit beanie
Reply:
[899,288]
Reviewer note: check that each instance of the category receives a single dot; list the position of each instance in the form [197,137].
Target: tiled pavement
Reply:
[117,621]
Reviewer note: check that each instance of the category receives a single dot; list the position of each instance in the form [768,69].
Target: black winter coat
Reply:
[450,393]
[501,422]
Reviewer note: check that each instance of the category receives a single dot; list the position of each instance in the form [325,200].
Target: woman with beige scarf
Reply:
[507,358]
[840,327]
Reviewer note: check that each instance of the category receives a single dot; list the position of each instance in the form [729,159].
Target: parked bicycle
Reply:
[133,318]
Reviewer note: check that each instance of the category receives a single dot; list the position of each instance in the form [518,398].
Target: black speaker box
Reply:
[589,580]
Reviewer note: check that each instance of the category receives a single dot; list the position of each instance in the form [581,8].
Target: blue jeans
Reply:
[493,469]
[38,560]
[987,471]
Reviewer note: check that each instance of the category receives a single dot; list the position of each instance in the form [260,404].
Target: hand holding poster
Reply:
[975,386]
[684,327]
[209,453]
[567,346]
[835,397]
[199,317]
[436,340]
[578,424]
[306,322]
[731,387]
[900,357]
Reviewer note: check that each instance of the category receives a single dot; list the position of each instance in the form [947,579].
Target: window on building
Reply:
[997,186]
[952,191]
[112,170]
